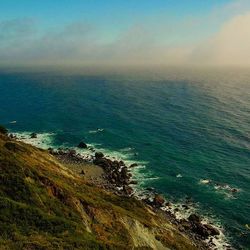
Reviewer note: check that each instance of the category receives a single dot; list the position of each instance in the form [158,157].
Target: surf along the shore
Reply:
[116,172]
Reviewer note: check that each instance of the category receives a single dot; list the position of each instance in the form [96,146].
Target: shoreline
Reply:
[116,177]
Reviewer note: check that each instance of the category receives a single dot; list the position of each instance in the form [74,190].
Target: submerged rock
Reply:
[133,165]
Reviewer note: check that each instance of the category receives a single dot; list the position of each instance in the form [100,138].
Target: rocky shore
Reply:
[117,178]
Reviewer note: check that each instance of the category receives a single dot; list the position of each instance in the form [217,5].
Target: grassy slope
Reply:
[43,205]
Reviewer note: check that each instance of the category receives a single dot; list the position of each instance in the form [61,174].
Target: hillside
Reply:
[44,205]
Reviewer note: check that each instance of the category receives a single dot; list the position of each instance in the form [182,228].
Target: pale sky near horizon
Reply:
[118,32]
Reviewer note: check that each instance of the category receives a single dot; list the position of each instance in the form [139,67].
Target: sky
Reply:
[119,32]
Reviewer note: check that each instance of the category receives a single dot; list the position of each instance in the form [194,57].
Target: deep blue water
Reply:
[196,124]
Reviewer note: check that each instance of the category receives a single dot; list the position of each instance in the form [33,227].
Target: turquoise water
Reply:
[195,124]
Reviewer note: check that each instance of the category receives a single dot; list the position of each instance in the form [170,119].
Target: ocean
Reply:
[188,130]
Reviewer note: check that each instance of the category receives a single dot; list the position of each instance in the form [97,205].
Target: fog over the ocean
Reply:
[25,42]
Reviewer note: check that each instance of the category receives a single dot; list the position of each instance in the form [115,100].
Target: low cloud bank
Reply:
[23,43]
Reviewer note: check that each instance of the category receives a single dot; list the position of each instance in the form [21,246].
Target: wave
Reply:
[96,131]
[222,188]
[42,140]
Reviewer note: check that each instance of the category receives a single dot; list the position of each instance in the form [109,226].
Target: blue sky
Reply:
[110,15]
[124,25]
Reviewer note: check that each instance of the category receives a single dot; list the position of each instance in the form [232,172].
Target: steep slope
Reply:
[44,205]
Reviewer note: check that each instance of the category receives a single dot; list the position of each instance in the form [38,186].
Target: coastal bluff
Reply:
[46,205]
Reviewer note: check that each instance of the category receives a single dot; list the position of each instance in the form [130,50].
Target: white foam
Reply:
[96,131]
[43,140]
[204,181]
[220,241]
[224,189]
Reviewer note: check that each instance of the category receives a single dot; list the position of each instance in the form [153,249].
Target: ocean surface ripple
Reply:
[189,131]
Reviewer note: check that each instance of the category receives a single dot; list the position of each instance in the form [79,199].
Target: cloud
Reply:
[230,46]
[22,42]
[16,29]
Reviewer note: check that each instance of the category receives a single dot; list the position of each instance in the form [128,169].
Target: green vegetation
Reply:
[43,205]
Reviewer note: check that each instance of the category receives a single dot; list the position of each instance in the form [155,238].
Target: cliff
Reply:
[45,205]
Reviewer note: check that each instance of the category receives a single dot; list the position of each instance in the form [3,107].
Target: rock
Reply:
[193,218]
[133,182]
[72,152]
[211,230]
[127,190]
[133,165]
[124,172]
[60,152]
[121,163]
[103,162]
[201,230]
[33,135]
[185,206]
[12,136]
[82,145]
[51,151]
[158,200]
[186,224]
[168,204]
[99,155]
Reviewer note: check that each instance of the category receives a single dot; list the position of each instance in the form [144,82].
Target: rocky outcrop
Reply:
[116,172]
[194,224]
[99,155]
[82,145]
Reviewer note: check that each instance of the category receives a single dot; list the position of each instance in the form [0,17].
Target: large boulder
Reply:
[211,230]
[99,155]
[194,218]
[82,145]
[201,230]
[103,162]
